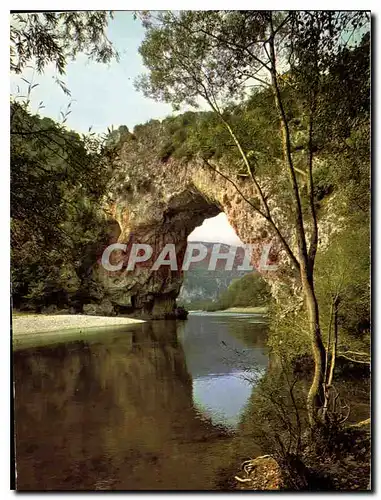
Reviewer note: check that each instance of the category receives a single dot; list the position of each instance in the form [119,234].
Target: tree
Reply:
[215,56]
[58,36]
[58,179]
[250,290]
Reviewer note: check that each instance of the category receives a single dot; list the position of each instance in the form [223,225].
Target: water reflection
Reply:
[224,355]
[210,397]
[129,410]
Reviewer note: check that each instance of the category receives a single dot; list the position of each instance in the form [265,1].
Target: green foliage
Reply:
[333,456]
[166,151]
[249,290]
[329,70]
[341,131]
[275,416]
[57,181]
[58,37]
[288,332]
[203,286]
[116,138]
[344,270]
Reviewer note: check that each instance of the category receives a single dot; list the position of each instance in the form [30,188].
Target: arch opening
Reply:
[203,284]
[186,217]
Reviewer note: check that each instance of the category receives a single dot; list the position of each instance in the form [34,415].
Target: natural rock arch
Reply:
[156,202]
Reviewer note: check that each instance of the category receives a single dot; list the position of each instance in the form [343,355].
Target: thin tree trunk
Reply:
[334,345]
[315,398]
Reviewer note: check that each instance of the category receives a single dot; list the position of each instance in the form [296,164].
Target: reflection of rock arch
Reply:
[103,401]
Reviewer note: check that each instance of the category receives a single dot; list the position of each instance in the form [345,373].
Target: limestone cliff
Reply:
[159,201]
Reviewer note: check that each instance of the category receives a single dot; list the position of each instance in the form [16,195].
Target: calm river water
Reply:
[154,407]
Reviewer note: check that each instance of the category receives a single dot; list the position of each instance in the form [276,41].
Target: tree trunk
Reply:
[315,398]
[334,345]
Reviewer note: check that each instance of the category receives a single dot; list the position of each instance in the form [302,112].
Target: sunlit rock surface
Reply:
[156,202]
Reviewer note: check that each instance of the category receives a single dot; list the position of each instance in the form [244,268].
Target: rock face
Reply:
[105,308]
[154,218]
[156,202]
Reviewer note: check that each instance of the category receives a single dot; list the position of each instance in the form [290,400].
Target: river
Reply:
[155,407]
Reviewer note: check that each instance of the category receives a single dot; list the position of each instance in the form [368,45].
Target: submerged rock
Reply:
[181,313]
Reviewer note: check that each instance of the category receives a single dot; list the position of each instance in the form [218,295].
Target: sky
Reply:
[216,229]
[104,96]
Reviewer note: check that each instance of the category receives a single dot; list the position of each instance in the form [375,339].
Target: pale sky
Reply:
[216,229]
[104,95]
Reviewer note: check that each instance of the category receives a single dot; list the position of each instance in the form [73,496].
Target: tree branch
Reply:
[268,218]
[235,186]
[287,149]
[353,360]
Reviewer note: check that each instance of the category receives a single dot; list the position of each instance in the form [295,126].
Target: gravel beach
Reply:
[42,323]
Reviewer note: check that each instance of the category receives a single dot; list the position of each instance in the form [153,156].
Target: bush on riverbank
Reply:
[330,456]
